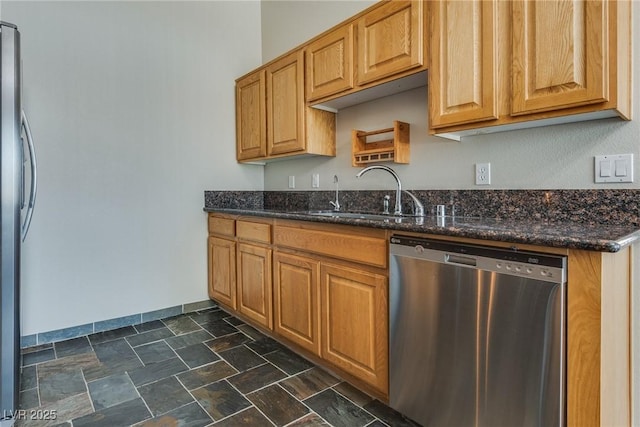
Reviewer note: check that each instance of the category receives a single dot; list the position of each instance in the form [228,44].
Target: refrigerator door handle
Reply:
[23,199]
[34,176]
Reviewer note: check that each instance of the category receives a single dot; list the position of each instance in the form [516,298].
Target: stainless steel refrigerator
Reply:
[15,214]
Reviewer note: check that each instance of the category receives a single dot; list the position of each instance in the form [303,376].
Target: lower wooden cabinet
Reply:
[312,285]
[355,322]
[254,283]
[222,270]
[296,300]
[335,311]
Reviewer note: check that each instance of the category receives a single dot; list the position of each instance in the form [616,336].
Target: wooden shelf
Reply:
[394,150]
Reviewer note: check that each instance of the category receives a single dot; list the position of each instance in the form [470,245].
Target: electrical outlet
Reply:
[483,173]
[315,180]
[292,181]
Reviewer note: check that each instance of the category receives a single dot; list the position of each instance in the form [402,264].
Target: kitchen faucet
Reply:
[336,204]
[419,208]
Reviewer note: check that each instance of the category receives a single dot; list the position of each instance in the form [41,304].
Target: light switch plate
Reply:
[315,180]
[614,168]
[292,181]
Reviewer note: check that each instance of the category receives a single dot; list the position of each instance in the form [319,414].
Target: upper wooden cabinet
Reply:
[251,122]
[272,118]
[274,114]
[390,40]
[382,49]
[285,104]
[496,64]
[330,63]
[464,68]
[559,55]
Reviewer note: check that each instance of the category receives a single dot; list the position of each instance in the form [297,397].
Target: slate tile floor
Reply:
[205,368]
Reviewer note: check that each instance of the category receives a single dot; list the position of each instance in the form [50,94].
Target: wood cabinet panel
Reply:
[222,271]
[253,231]
[222,226]
[251,129]
[616,327]
[272,119]
[352,247]
[297,300]
[463,65]
[285,104]
[559,54]
[254,283]
[598,339]
[583,341]
[390,40]
[354,323]
[320,129]
[329,63]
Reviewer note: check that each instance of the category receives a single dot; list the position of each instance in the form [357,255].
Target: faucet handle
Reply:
[385,204]
[418,208]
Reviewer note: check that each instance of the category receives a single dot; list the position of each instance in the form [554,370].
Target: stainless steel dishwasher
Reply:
[476,334]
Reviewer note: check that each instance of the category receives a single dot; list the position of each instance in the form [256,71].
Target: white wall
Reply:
[131,105]
[556,157]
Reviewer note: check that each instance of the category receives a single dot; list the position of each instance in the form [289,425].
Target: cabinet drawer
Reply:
[222,226]
[253,231]
[351,247]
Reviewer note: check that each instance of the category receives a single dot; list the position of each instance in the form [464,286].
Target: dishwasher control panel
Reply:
[533,265]
[525,269]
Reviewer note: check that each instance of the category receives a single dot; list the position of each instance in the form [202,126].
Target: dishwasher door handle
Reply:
[460,259]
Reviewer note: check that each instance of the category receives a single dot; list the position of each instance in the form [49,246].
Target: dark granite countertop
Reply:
[573,235]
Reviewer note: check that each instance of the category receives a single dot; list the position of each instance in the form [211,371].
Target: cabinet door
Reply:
[285,104]
[222,271]
[463,67]
[559,54]
[329,62]
[251,133]
[390,40]
[254,283]
[355,323]
[296,300]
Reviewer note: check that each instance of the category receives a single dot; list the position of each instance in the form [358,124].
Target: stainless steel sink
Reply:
[441,220]
[354,215]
